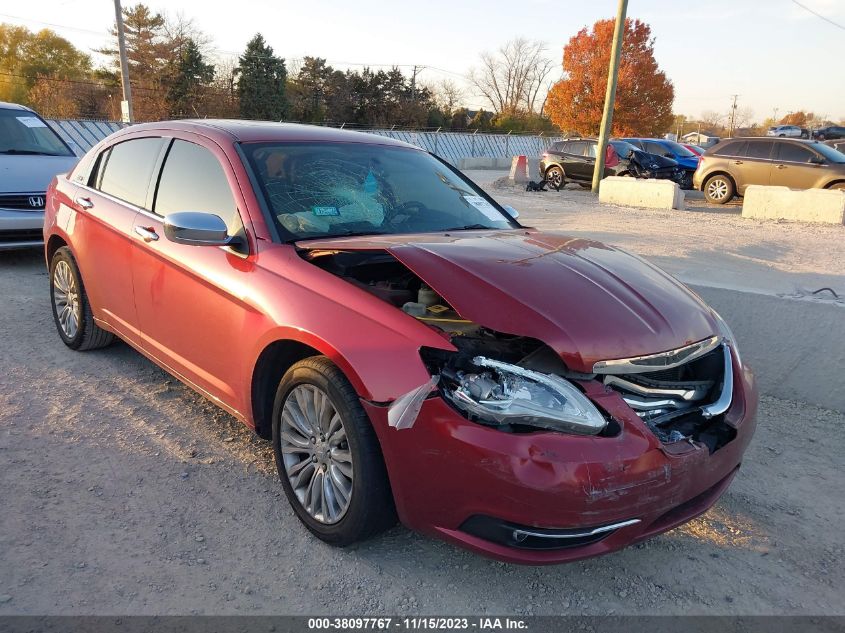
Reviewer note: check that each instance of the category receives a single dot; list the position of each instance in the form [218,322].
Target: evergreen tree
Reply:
[189,77]
[261,82]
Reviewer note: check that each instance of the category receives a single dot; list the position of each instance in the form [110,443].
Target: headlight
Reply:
[509,394]
[725,331]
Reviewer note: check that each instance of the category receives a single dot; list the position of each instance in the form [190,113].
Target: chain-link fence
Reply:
[451,146]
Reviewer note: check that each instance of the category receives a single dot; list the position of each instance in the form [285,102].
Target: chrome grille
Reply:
[23,201]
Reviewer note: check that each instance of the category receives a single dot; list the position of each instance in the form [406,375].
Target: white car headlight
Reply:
[510,394]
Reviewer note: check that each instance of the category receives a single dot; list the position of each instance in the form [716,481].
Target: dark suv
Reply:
[728,168]
[574,160]
[832,132]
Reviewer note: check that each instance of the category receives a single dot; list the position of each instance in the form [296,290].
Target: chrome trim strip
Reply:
[723,402]
[648,405]
[593,532]
[657,362]
[685,394]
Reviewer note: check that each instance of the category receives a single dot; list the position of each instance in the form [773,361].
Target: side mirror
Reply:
[197,229]
[668,155]
[511,211]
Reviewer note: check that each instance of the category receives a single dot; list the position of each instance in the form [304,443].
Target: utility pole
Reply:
[775,114]
[414,82]
[126,104]
[733,115]
[610,94]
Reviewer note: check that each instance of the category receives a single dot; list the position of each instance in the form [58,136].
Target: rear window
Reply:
[127,169]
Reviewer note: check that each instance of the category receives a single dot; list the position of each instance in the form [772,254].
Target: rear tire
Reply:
[71,309]
[719,189]
[839,186]
[328,456]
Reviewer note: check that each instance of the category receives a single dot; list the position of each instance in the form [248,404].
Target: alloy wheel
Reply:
[554,176]
[66,299]
[717,188]
[315,452]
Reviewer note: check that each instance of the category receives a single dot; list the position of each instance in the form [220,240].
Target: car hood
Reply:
[586,300]
[31,174]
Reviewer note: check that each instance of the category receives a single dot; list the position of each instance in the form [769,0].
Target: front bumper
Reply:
[445,470]
[21,229]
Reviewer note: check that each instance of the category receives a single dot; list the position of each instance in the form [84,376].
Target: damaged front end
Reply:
[519,384]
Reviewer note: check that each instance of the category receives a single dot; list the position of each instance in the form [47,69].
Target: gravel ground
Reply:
[123,492]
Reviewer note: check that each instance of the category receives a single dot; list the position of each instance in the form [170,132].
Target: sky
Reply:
[772,53]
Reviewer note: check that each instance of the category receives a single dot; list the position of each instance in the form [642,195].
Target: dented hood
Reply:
[586,300]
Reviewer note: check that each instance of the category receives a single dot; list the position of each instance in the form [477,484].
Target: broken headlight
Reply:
[501,393]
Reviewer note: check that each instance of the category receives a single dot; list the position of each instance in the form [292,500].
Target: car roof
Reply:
[14,106]
[240,131]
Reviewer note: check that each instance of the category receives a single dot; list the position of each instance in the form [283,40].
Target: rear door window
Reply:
[761,150]
[192,179]
[126,170]
[591,150]
[656,148]
[792,153]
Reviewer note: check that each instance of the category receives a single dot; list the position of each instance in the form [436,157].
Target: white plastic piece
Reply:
[404,411]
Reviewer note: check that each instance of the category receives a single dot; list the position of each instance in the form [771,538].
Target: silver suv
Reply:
[31,154]
[789,131]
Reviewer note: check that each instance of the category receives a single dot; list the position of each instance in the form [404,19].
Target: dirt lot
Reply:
[122,492]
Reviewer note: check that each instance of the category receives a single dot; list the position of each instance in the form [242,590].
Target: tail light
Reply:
[611,158]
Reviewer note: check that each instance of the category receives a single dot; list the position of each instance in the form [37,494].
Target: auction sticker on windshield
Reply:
[485,207]
[31,121]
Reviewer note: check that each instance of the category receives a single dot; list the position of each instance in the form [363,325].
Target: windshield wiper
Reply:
[470,227]
[28,152]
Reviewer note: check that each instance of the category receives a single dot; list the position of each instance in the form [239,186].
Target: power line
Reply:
[818,15]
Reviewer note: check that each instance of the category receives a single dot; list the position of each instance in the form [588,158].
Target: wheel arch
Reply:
[274,360]
[833,183]
[53,244]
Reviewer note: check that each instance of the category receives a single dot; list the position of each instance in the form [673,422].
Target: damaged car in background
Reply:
[408,347]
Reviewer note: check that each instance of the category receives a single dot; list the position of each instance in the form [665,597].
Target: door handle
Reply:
[84,202]
[781,166]
[737,162]
[148,235]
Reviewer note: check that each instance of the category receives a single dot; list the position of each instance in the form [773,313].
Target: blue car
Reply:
[670,149]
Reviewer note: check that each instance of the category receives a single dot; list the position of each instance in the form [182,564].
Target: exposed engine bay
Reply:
[519,384]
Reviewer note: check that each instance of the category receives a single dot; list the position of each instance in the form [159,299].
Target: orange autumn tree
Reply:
[644,95]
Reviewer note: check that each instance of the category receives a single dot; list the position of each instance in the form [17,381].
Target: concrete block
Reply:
[634,192]
[484,162]
[519,170]
[802,205]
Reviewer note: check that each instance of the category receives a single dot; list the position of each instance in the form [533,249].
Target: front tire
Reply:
[555,177]
[327,455]
[718,189]
[71,309]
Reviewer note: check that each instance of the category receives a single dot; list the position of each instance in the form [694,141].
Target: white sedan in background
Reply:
[792,131]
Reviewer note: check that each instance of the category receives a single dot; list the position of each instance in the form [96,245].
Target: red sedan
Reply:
[408,347]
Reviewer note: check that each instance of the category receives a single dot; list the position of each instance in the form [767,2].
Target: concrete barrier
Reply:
[484,162]
[633,192]
[519,170]
[783,203]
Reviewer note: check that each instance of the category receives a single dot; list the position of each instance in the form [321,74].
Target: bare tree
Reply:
[712,120]
[513,77]
[447,94]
